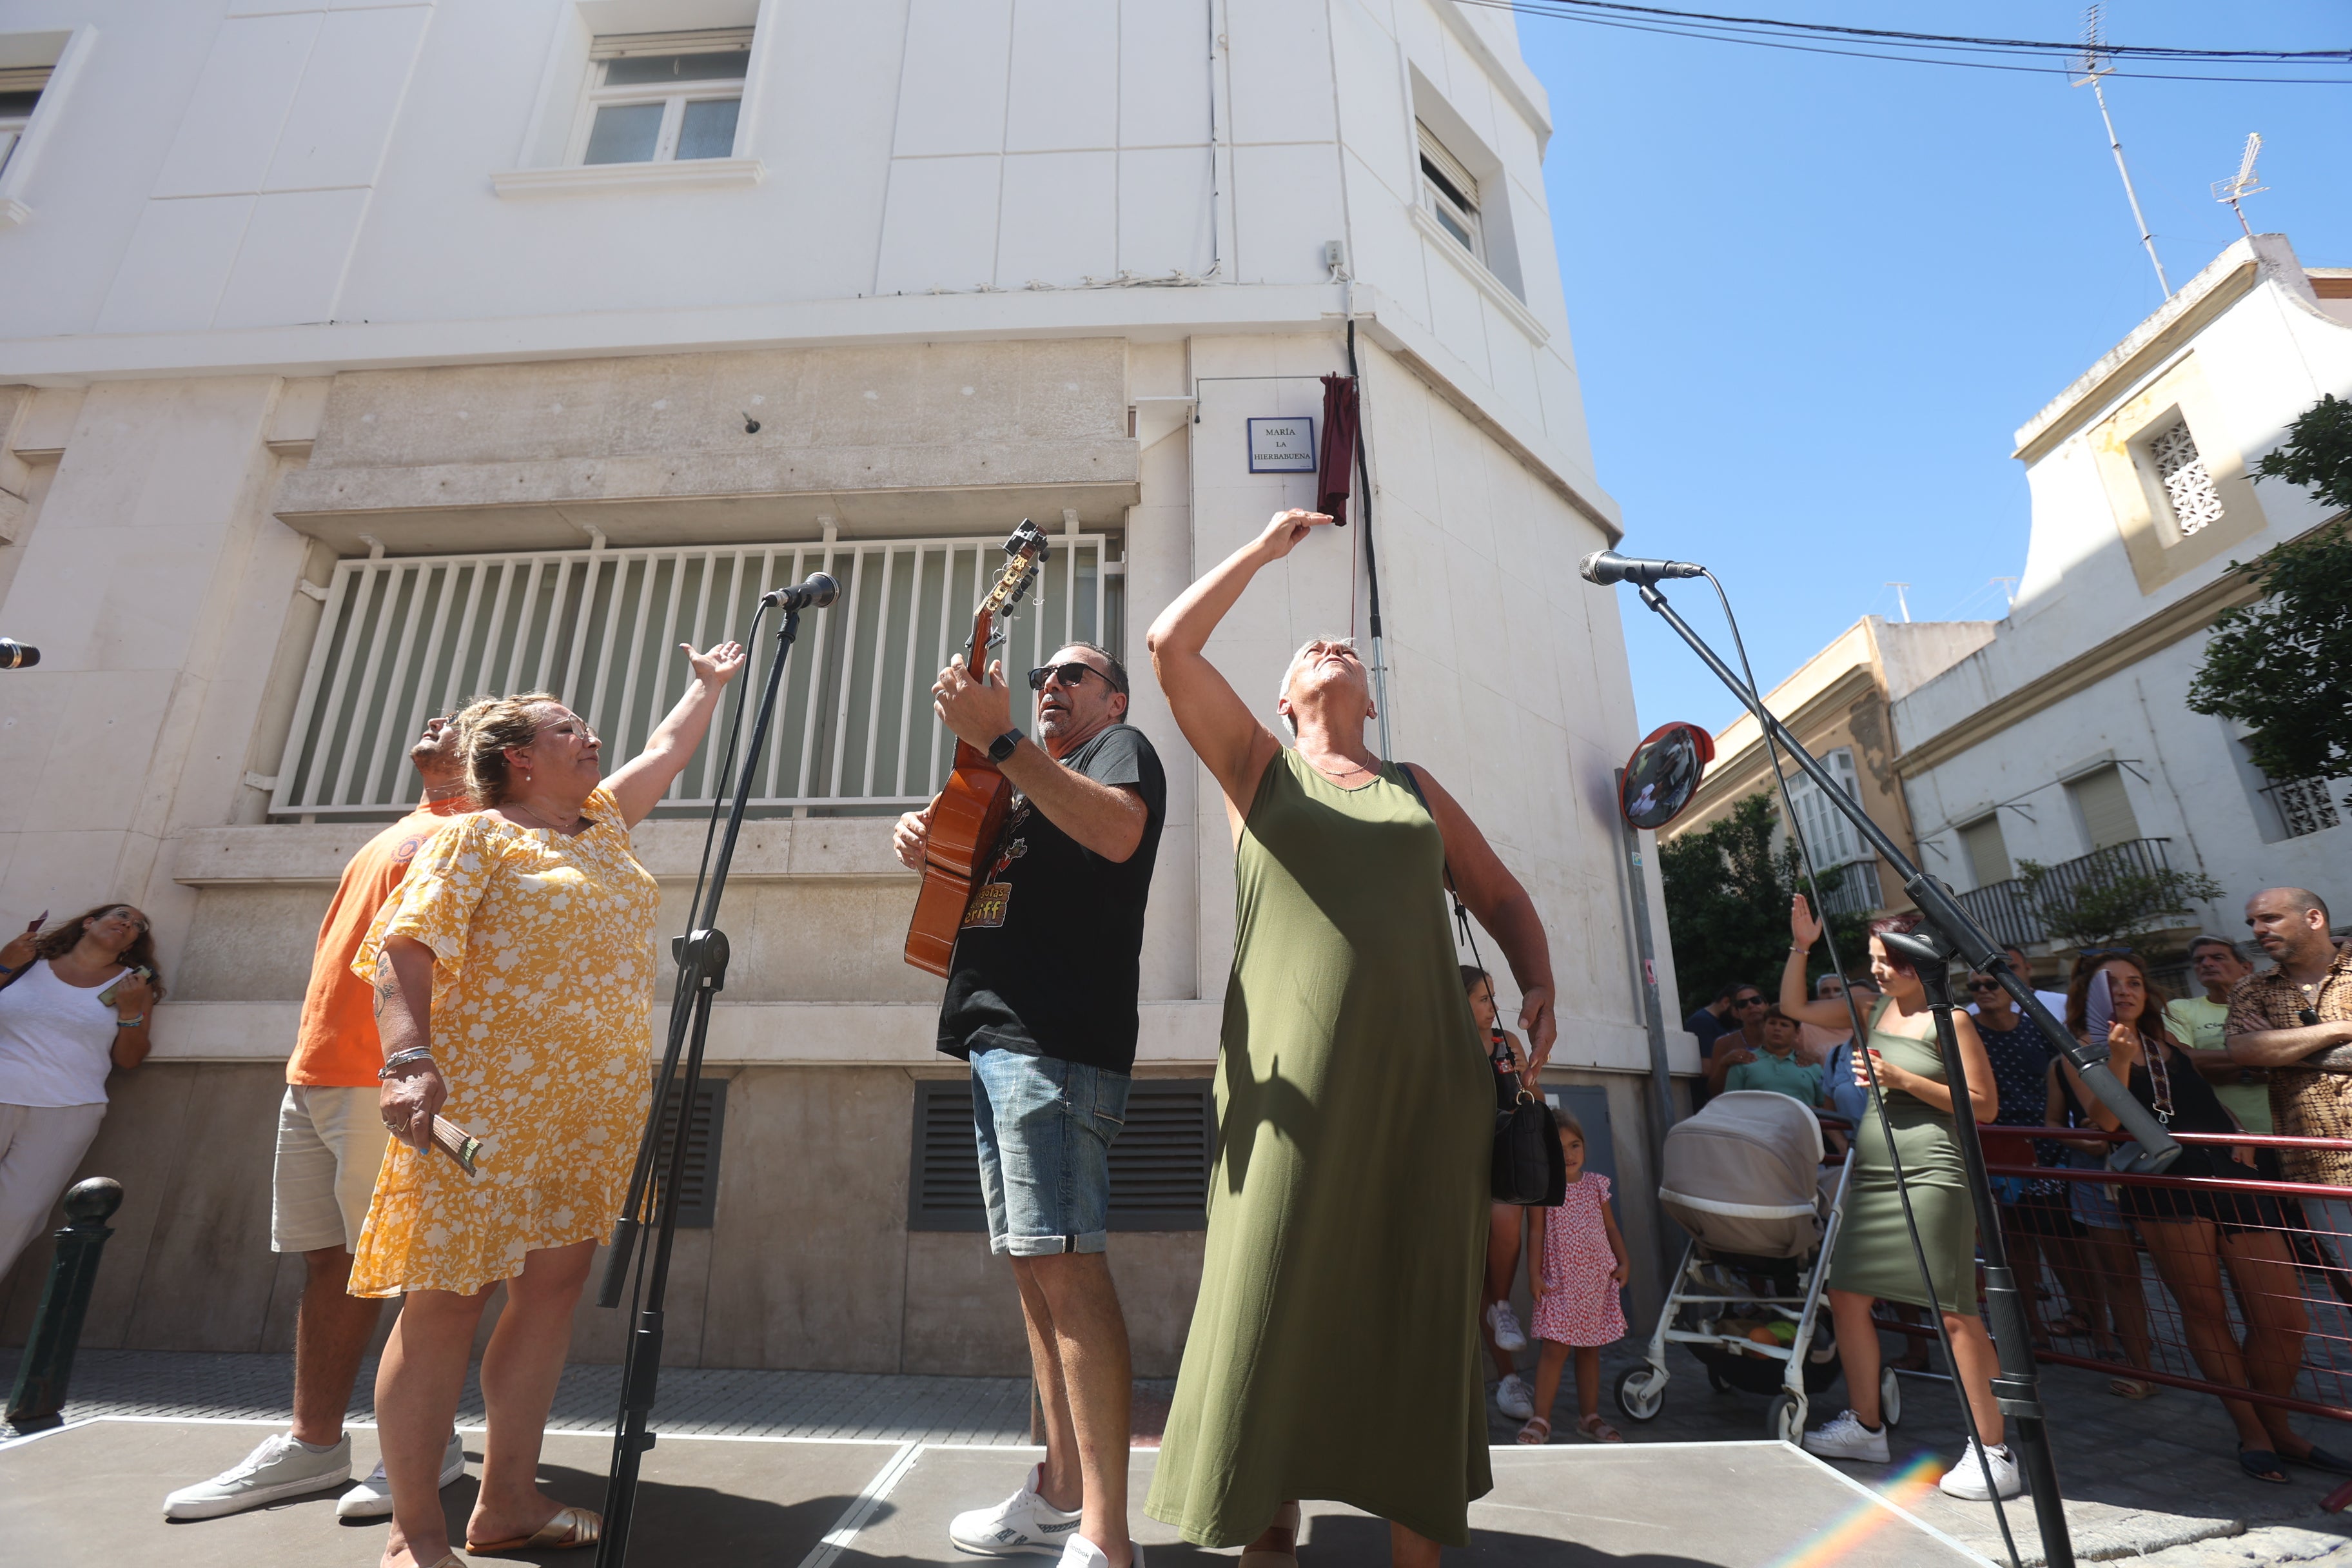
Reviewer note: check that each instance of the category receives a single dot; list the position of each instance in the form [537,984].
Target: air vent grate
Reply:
[1158,1165]
[698,1197]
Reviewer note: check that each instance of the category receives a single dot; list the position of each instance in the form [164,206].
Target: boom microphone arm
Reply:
[2151,1148]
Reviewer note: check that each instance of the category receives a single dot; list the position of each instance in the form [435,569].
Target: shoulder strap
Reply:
[1460,915]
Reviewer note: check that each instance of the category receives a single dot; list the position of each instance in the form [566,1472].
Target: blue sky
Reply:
[1812,298]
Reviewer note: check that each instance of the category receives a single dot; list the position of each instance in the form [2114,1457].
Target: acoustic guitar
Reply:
[968,814]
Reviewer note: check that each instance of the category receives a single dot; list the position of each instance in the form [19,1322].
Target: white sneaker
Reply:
[1514,1398]
[279,1468]
[1847,1439]
[1508,1335]
[1083,1553]
[1022,1523]
[1967,1478]
[372,1498]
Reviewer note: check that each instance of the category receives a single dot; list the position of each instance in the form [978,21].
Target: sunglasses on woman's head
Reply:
[1071,675]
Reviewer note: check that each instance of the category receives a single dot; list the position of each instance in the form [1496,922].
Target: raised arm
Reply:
[640,784]
[1804,930]
[1222,731]
[1503,907]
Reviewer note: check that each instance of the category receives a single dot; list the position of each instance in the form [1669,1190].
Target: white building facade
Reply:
[2066,738]
[354,359]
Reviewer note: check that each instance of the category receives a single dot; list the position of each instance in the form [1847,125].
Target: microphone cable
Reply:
[1877,1095]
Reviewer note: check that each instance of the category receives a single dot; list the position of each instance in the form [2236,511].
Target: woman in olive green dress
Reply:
[1874,1260]
[1334,1350]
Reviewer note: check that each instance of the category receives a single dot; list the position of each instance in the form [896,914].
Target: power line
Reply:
[1924,49]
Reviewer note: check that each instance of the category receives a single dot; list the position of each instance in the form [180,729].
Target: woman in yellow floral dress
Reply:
[513,973]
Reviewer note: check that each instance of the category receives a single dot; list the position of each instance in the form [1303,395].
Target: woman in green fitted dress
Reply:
[1874,1260]
[1334,1350]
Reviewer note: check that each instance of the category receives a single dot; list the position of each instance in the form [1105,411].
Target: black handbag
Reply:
[1529,1168]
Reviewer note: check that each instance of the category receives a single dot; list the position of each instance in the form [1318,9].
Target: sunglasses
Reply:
[1071,675]
[1747,1001]
[1984,985]
[2102,952]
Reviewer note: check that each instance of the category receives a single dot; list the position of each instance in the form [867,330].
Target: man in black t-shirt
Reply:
[1041,1000]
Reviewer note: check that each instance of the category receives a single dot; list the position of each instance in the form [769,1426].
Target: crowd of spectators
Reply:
[2246,1051]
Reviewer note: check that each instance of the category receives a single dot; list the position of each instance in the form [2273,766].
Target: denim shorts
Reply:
[1044,1128]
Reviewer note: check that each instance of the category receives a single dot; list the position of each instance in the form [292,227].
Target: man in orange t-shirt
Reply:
[330,1141]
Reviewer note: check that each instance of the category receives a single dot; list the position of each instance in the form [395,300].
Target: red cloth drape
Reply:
[1337,469]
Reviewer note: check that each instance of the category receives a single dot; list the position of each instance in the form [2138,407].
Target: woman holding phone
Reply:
[73,1006]
[513,975]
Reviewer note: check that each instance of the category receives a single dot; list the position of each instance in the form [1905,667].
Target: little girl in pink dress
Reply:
[1575,1265]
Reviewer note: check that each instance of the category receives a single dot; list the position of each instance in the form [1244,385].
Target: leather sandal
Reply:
[571,1527]
[1536,1433]
[2263,1465]
[1286,1518]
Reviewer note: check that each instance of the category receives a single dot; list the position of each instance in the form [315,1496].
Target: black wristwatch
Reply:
[1001,747]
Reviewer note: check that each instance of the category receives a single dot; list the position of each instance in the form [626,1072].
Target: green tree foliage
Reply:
[2096,912]
[2283,666]
[1728,897]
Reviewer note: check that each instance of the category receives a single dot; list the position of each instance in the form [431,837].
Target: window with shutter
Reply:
[1158,1163]
[1449,190]
[1988,852]
[2105,808]
[662,96]
[1829,836]
[20,94]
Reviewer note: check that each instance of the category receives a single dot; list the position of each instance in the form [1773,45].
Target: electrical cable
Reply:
[1877,1098]
[1927,48]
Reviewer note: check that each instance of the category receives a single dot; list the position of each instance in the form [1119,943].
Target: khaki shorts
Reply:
[330,1147]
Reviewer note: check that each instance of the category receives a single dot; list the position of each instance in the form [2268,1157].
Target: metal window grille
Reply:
[2186,482]
[403,638]
[1158,1163]
[698,1194]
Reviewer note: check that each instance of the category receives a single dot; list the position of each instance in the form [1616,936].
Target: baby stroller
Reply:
[1745,1178]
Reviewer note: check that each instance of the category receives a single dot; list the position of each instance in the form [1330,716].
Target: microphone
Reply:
[15,654]
[815,594]
[1606,566]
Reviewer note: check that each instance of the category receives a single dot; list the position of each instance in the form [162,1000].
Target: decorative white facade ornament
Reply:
[2186,481]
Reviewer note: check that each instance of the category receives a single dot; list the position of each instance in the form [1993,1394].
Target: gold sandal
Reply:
[1284,1518]
[571,1527]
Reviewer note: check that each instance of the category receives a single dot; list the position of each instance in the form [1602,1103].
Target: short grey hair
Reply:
[2209,940]
[1290,669]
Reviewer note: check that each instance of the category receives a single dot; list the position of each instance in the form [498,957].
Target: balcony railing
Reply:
[2010,914]
[2305,805]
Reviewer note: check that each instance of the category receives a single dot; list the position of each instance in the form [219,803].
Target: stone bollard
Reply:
[41,1377]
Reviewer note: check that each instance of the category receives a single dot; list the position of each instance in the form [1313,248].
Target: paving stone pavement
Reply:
[2151,1483]
[693,1401]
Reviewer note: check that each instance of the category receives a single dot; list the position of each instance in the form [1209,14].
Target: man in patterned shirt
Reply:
[2283,1015]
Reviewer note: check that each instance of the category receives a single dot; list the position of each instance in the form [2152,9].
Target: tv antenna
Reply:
[2240,186]
[2008,586]
[2093,63]
[1901,602]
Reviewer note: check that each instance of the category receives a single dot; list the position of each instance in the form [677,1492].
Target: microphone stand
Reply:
[2150,1150]
[702,956]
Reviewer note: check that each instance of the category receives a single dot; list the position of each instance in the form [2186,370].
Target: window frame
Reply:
[1449,192]
[2159,485]
[1803,793]
[672,97]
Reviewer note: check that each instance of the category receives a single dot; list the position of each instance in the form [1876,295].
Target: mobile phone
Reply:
[141,970]
[35,928]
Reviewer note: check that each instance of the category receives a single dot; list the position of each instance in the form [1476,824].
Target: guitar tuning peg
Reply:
[996,636]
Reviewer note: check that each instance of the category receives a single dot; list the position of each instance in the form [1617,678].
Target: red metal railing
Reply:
[2124,1308]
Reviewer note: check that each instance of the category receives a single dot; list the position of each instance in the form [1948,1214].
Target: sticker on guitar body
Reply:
[991,899]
